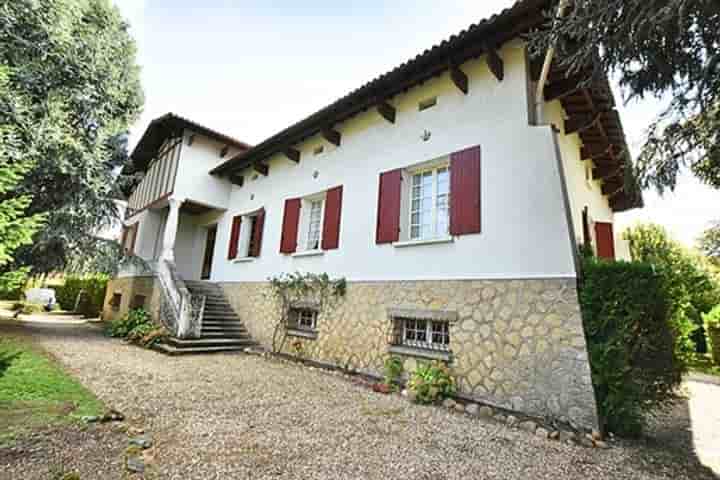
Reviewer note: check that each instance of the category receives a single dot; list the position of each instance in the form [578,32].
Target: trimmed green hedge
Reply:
[712,330]
[93,287]
[635,364]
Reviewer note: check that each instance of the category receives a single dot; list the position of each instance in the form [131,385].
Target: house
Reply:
[451,193]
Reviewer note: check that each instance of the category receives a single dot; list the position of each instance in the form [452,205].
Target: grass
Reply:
[35,392]
[703,363]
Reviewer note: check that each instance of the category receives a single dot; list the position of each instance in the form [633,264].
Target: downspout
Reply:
[539,92]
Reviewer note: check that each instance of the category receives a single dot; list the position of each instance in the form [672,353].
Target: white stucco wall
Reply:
[193,181]
[149,235]
[524,228]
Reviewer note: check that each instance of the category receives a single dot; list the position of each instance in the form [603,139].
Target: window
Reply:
[311,224]
[430,203]
[246,235]
[422,333]
[137,302]
[314,223]
[302,322]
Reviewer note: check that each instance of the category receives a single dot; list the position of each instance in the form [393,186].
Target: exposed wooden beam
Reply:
[580,123]
[293,154]
[387,111]
[190,139]
[495,63]
[562,88]
[238,180]
[332,136]
[588,152]
[603,172]
[260,168]
[611,188]
[224,151]
[459,78]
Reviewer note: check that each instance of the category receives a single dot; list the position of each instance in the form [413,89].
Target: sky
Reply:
[251,68]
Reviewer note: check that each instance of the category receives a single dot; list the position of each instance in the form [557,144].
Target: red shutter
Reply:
[291,219]
[257,233]
[605,240]
[388,214]
[331,222]
[234,237]
[465,191]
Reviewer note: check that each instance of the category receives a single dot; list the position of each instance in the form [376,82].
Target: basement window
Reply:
[302,322]
[137,302]
[115,301]
[421,333]
[427,103]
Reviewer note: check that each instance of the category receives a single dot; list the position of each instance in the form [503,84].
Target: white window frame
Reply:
[245,236]
[304,230]
[408,192]
[428,330]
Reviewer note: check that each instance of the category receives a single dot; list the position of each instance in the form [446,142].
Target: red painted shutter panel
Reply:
[605,240]
[234,237]
[388,216]
[465,191]
[291,219]
[257,233]
[331,221]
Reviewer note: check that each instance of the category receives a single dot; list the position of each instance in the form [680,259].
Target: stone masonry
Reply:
[516,344]
[128,288]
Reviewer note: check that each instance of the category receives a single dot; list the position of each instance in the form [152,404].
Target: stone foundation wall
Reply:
[516,344]
[128,287]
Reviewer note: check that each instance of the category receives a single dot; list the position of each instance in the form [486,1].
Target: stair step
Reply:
[206,342]
[225,335]
[221,317]
[225,326]
[170,350]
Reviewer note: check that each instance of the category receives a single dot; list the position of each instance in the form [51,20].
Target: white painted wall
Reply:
[525,232]
[149,235]
[194,181]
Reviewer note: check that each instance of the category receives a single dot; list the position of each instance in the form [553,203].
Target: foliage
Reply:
[691,282]
[631,342]
[393,369]
[290,289]
[431,382]
[93,288]
[712,327]
[12,283]
[73,89]
[37,393]
[673,54]
[137,327]
[27,308]
[710,242]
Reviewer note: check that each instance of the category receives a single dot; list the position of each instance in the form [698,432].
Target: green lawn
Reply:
[35,392]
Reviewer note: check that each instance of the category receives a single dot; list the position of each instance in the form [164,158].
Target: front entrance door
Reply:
[209,250]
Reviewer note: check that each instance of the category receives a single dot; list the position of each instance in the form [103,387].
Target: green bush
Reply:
[93,287]
[393,369]
[137,327]
[431,382]
[12,283]
[631,337]
[712,329]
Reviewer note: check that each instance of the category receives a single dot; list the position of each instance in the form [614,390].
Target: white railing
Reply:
[180,311]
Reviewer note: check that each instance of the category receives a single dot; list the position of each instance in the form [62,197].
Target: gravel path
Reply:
[239,416]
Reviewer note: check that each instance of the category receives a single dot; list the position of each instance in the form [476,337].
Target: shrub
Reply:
[393,369]
[631,342]
[12,283]
[712,329]
[93,287]
[137,327]
[431,382]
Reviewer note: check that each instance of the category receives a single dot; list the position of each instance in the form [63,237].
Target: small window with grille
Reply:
[138,301]
[421,333]
[302,320]
[115,301]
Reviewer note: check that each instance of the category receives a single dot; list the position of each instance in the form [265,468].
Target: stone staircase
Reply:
[222,330]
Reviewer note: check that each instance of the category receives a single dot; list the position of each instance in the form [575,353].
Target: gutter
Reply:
[540,90]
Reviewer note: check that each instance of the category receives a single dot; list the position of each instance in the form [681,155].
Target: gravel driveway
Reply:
[240,416]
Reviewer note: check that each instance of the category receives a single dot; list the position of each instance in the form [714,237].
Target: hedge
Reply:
[635,364]
[93,287]
[712,329]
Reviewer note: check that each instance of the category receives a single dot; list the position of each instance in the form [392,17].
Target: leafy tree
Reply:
[691,282]
[710,242]
[73,74]
[656,48]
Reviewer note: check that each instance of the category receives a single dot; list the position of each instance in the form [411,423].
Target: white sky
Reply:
[250,69]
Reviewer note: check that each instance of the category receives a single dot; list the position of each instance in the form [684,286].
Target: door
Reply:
[209,251]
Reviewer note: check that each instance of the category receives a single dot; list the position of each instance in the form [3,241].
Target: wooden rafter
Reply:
[293,154]
[261,168]
[332,136]
[495,63]
[224,151]
[238,180]
[603,172]
[459,78]
[387,111]
[588,152]
[611,188]
[580,123]
[562,88]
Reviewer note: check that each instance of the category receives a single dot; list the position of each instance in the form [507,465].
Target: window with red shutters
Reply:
[258,223]
[291,220]
[234,237]
[605,240]
[465,191]
[388,213]
[331,222]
